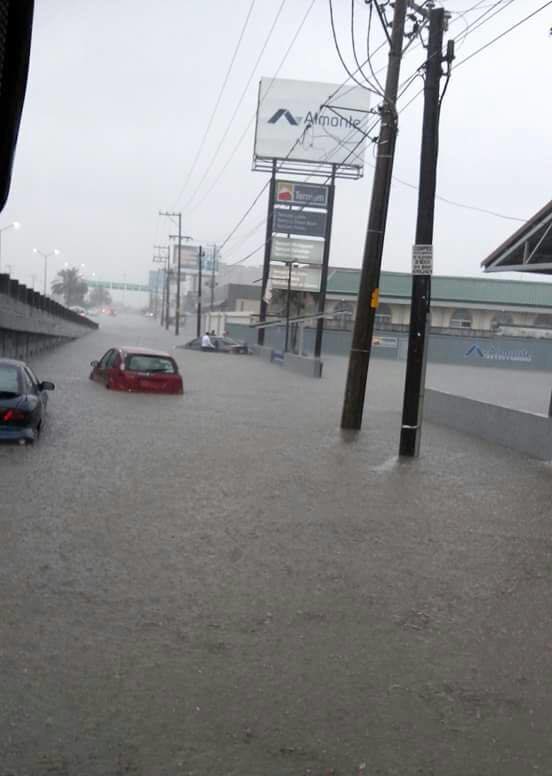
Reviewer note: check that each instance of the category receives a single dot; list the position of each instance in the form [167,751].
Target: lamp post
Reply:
[291,265]
[13,225]
[46,256]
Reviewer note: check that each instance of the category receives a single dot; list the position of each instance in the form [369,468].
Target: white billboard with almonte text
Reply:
[306,121]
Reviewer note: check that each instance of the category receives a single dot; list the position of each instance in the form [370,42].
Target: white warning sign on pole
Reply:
[422,260]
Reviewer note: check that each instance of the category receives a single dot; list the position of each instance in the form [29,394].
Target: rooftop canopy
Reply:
[527,250]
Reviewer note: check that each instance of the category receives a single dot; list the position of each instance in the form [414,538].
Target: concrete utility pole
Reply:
[160,259]
[178,269]
[199,290]
[368,296]
[420,319]
[213,275]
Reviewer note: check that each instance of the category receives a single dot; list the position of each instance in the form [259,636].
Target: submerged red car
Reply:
[138,369]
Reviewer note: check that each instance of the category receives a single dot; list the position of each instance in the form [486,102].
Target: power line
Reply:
[247,212]
[368,35]
[378,87]
[461,204]
[240,101]
[484,18]
[218,100]
[410,80]
[503,34]
[485,46]
[244,133]
[350,73]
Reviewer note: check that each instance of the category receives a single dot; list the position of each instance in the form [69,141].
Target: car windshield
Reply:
[229,341]
[9,381]
[139,362]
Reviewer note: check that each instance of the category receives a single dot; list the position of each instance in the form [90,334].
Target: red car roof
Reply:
[143,351]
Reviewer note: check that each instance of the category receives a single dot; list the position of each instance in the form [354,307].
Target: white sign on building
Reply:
[307,121]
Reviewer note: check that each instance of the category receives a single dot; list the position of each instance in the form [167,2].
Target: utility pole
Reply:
[160,259]
[178,268]
[368,295]
[422,262]
[200,281]
[213,268]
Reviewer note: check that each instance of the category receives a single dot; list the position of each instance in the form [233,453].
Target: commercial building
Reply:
[479,304]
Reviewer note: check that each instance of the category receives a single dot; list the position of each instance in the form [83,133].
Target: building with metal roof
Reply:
[456,302]
[481,304]
[528,249]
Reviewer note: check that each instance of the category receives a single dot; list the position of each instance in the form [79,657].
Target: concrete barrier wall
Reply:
[493,351]
[305,365]
[31,322]
[525,432]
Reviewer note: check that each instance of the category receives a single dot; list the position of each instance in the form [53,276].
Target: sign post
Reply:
[310,128]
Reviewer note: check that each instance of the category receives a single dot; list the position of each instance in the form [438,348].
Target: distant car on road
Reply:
[78,310]
[23,400]
[149,314]
[135,369]
[220,345]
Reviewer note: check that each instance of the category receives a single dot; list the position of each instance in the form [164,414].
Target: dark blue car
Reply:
[23,400]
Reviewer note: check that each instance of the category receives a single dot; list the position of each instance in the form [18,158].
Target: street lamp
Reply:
[291,265]
[13,225]
[46,256]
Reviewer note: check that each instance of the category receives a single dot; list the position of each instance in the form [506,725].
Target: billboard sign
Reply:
[299,222]
[306,194]
[188,256]
[307,121]
[303,279]
[300,251]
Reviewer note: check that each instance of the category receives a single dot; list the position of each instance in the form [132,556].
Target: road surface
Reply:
[223,584]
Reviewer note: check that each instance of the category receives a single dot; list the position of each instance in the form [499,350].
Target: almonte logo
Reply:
[493,354]
[316,119]
[474,349]
[283,112]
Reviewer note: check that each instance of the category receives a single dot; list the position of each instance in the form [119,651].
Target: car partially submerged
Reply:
[220,345]
[23,400]
[135,369]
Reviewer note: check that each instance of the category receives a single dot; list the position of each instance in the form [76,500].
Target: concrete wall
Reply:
[31,322]
[310,367]
[460,348]
[525,432]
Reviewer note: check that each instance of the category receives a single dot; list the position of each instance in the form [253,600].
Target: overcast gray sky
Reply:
[120,92]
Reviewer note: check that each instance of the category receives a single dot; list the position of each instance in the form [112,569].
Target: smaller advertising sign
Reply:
[306,279]
[188,256]
[301,251]
[300,222]
[310,195]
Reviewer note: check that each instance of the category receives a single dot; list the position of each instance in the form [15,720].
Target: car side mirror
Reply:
[94,364]
[46,386]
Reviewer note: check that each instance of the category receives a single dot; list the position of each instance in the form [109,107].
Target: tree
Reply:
[71,286]
[99,297]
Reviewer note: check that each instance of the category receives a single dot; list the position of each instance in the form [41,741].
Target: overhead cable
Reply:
[218,100]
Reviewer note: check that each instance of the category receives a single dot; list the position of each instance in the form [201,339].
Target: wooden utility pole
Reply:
[422,260]
[368,296]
